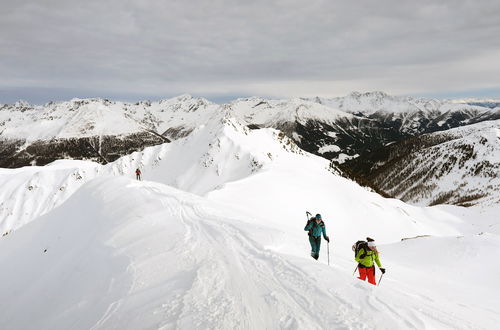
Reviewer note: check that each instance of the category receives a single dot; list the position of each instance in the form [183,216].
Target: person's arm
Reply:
[323,229]
[377,260]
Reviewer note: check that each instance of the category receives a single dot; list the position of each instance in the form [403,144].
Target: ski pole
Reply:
[380,279]
[328,253]
[355,269]
[307,215]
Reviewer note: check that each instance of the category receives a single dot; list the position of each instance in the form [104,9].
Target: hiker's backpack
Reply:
[310,230]
[358,246]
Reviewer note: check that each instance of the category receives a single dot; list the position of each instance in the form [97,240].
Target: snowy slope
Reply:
[29,192]
[217,152]
[124,254]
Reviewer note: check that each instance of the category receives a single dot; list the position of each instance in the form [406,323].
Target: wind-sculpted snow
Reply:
[29,192]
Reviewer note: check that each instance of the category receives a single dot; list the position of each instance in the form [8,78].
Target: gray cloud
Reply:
[219,47]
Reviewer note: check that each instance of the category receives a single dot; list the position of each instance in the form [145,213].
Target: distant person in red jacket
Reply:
[138,174]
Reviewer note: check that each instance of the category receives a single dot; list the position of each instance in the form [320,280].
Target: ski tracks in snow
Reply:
[240,285]
[195,269]
[191,269]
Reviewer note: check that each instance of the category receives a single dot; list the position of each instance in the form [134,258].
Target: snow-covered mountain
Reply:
[370,103]
[219,151]
[458,166]
[119,253]
[97,117]
[399,117]
[95,129]
[487,103]
[339,128]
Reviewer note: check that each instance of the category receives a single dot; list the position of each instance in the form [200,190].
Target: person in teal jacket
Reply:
[316,227]
[367,257]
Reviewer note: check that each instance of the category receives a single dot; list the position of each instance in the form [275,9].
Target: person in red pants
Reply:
[367,256]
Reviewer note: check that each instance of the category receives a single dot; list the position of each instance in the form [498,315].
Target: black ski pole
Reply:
[307,216]
[328,253]
[380,279]
[355,269]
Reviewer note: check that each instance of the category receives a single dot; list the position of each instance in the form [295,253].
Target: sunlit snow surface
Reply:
[213,238]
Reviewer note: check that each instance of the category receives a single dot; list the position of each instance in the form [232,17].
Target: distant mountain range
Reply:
[352,131]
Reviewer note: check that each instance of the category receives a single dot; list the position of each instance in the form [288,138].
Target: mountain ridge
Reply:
[457,166]
[339,129]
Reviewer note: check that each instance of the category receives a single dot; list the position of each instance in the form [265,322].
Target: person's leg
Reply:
[362,273]
[370,272]
[313,246]
[318,246]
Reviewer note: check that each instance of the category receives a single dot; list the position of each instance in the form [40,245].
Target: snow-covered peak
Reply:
[269,113]
[94,117]
[219,151]
[177,116]
[21,104]
[375,95]
[372,102]
[186,99]
[474,100]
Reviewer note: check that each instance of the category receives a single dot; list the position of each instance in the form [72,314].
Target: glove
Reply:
[382,270]
[327,239]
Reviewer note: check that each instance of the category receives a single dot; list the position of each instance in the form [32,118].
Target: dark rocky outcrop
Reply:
[102,149]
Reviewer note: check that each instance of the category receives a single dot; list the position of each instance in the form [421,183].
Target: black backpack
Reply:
[358,246]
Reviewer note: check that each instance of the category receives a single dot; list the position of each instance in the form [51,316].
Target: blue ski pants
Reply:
[315,246]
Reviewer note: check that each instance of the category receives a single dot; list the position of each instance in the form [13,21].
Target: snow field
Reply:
[126,254]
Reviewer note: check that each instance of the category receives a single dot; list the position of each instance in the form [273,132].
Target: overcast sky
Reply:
[222,49]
